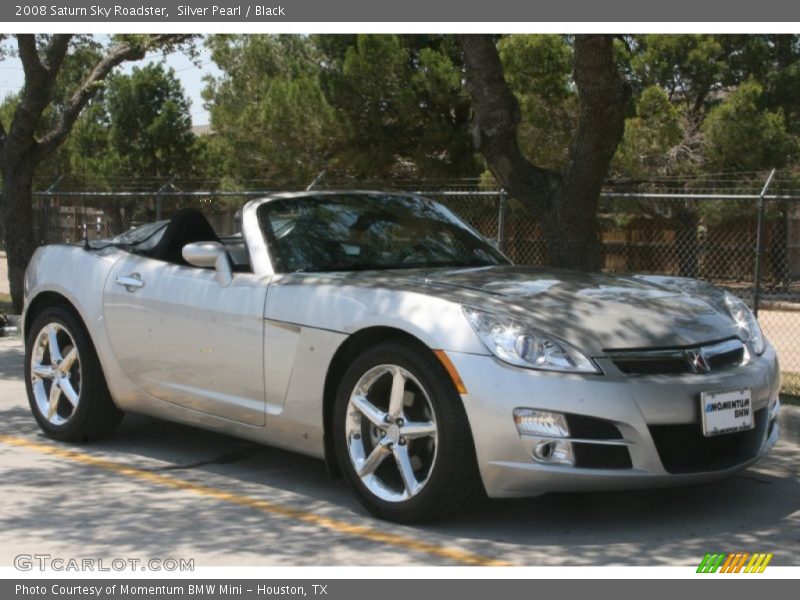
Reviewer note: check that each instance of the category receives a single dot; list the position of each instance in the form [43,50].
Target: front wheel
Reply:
[402,437]
[66,387]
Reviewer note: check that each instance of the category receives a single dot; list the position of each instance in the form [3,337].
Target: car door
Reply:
[184,338]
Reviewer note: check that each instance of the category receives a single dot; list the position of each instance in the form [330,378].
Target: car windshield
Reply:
[361,231]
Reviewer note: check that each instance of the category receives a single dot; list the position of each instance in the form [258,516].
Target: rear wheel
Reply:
[402,437]
[66,388]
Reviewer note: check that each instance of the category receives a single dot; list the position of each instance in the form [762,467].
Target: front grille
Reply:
[675,361]
[653,366]
[684,448]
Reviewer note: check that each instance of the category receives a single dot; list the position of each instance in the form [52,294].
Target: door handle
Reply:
[130,282]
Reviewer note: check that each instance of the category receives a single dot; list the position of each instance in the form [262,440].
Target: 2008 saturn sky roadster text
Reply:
[381,333]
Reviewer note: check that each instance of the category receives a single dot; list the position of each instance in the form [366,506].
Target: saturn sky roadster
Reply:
[379,332]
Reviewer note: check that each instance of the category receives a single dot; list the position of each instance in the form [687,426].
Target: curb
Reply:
[789,420]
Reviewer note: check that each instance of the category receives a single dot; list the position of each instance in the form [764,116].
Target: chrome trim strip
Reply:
[606,442]
[722,347]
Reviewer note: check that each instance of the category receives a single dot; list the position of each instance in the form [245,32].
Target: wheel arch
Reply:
[351,348]
[104,413]
[47,299]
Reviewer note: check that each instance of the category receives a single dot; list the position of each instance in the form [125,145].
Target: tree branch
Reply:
[604,98]
[29,56]
[496,117]
[55,52]
[36,94]
[123,52]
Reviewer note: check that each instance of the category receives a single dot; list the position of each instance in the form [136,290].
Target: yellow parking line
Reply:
[265,506]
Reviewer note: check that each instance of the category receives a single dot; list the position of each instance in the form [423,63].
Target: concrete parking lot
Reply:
[162,490]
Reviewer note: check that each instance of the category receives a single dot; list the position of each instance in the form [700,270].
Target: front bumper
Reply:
[657,417]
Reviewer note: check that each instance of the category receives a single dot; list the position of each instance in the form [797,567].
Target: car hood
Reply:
[594,312]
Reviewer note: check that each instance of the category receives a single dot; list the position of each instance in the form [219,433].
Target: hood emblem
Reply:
[698,361]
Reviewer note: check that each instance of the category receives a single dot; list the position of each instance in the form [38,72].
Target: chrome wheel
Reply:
[55,371]
[391,433]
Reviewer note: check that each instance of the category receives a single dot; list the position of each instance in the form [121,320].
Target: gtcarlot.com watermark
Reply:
[48,562]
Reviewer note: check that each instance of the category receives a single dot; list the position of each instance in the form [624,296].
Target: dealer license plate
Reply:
[726,412]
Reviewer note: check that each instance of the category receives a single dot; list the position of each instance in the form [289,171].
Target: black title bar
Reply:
[464,11]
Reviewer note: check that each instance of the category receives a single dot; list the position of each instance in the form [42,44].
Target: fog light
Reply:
[556,452]
[540,422]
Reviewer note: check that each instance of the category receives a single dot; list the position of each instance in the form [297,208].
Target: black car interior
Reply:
[188,226]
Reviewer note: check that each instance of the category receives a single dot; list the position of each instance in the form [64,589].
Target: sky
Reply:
[191,76]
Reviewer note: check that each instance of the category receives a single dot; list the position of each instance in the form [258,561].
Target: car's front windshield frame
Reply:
[480,252]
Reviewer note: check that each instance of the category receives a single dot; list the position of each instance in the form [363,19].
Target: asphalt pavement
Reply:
[160,490]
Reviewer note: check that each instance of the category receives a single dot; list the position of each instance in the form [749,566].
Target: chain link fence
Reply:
[710,229]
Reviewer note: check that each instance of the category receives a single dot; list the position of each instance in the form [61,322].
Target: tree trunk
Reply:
[18,218]
[565,202]
[686,242]
[571,228]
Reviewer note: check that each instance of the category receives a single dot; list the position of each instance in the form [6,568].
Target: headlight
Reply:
[746,321]
[523,346]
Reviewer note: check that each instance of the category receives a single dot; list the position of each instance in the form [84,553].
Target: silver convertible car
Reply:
[380,333]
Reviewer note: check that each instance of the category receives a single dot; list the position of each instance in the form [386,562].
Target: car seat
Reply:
[187,226]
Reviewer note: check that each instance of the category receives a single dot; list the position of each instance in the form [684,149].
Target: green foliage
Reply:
[373,106]
[650,137]
[539,64]
[150,129]
[710,104]
[269,115]
[538,70]
[402,107]
[687,67]
[127,115]
[739,135]
[393,106]
[87,152]
[297,128]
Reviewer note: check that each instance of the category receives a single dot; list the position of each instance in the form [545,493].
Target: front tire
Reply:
[401,435]
[66,388]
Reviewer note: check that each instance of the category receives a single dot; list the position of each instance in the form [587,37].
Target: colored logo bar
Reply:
[737,562]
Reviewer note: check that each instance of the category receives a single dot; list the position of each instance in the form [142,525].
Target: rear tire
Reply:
[401,435]
[66,387]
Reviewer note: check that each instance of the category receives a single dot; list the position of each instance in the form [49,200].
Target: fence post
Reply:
[760,244]
[316,180]
[159,196]
[45,225]
[501,221]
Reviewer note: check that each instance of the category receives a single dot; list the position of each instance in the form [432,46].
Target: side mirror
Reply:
[208,255]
